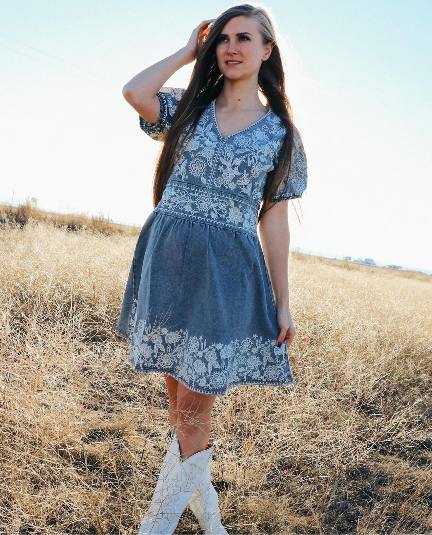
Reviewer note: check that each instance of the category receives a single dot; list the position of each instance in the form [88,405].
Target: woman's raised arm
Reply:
[140,91]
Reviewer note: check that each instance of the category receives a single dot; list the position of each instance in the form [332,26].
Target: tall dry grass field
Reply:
[347,450]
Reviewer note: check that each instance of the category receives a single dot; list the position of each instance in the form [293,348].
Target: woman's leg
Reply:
[193,424]
[204,501]
[193,420]
[180,476]
[172,398]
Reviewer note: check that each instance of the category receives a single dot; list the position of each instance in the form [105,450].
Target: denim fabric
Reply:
[198,303]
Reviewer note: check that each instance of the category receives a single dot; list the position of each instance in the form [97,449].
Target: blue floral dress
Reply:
[198,303]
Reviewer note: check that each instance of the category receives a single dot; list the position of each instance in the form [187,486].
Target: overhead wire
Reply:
[65,64]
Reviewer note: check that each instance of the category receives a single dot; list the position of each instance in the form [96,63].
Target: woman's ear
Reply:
[268,52]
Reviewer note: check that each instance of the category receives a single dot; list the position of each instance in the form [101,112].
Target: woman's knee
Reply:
[193,408]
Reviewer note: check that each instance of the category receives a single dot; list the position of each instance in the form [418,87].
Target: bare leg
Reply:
[204,501]
[172,397]
[179,478]
[193,424]
[193,420]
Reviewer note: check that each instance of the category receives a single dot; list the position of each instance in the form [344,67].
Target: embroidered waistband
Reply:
[190,200]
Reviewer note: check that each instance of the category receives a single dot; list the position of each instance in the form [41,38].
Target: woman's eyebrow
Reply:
[238,33]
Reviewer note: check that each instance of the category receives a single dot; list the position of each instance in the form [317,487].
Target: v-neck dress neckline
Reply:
[223,137]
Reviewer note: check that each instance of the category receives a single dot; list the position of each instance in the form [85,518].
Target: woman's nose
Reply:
[232,47]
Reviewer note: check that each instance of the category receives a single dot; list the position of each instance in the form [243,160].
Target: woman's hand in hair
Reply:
[196,39]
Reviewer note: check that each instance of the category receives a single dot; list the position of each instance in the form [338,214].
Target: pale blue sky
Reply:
[358,75]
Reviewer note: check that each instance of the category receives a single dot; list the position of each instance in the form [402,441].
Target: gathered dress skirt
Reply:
[199,306]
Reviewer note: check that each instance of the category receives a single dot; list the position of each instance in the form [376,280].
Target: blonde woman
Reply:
[202,304]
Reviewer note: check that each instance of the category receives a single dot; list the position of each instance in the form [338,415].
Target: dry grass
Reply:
[21,214]
[82,435]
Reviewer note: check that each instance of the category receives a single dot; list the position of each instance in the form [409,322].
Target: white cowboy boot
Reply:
[176,483]
[204,501]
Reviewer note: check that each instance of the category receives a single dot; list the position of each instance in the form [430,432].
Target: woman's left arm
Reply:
[275,239]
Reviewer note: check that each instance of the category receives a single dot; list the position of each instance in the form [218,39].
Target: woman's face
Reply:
[241,40]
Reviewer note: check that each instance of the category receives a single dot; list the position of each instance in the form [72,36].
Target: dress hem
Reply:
[172,374]
[194,389]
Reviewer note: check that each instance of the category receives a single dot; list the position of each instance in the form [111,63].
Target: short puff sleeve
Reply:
[293,185]
[169,98]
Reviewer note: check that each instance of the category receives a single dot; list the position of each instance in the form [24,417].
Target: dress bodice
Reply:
[221,178]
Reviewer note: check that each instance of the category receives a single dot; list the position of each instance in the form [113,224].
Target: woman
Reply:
[200,305]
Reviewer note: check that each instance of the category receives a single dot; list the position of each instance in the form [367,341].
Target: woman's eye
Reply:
[242,37]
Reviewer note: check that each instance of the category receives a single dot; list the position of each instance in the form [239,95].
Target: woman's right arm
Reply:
[140,91]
